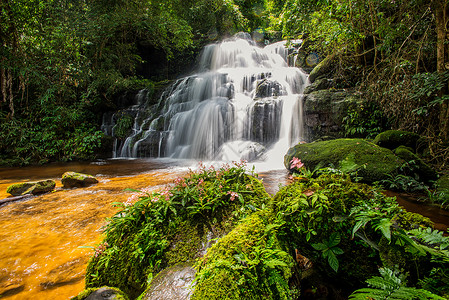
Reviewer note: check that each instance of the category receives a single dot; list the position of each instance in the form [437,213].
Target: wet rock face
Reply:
[173,283]
[268,88]
[73,179]
[324,111]
[31,188]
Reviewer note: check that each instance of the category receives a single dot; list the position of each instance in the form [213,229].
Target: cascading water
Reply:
[244,101]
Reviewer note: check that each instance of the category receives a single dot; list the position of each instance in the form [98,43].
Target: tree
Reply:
[441,9]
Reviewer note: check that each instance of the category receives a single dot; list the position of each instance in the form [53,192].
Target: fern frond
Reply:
[391,286]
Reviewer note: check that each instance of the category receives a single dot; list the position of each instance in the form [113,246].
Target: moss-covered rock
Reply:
[325,67]
[102,293]
[248,263]
[173,283]
[416,164]
[73,179]
[370,226]
[318,85]
[392,139]
[173,226]
[371,162]
[34,188]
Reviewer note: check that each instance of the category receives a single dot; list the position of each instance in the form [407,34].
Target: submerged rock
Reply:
[371,162]
[73,179]
[33,188]
[173,283]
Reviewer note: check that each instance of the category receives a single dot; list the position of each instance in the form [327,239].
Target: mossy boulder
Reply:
[371,162]
[368,226]
[318,85]
[102,293]
[34,188]
[172,283]
[247,263]
[325,67]
[392,139]
[73,179]
[416,164]
[173,226]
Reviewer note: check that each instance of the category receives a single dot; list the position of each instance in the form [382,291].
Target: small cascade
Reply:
[244,101]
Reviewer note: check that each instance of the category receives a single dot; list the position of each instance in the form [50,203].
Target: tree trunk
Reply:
[441,15]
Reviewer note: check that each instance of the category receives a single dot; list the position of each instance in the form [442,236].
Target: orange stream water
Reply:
[40,237]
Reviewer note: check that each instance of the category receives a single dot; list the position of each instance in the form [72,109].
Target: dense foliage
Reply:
[62,63]
[273,248]
[138,238]
[393,53]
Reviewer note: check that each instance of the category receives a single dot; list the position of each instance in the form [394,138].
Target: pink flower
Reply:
[296,163]
[233,195]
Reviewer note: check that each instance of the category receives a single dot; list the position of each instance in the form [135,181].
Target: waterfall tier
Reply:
[243,101]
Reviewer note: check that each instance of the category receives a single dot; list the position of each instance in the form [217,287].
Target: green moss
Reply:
[73,179]
[324,68]
[409,220]
[185,244]
[442,183]
[392,139]
[416,164]
[248,263]
[124,126]
[119,295]
[371,162]
[169,227]
[34,188]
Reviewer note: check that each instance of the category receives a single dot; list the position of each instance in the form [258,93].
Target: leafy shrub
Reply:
[366,121]
[137,237]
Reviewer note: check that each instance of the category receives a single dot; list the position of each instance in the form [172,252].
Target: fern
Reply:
[391,286]
[431,237]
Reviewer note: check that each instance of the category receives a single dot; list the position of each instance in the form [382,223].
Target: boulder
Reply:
[173,283]
[392,139]
[416,164]
[325,67]
[318,85]
[73,179]
[371,162]
[324,111]
[103,293]
[34,188]
[268,88]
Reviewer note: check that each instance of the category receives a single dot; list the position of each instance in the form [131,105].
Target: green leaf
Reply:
[333,261]
[319,246]
[337,250]
[384,226]
[334,239]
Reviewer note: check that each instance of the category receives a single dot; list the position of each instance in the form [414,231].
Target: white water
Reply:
[245,103]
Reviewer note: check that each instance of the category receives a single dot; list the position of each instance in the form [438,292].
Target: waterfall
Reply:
[244,101]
